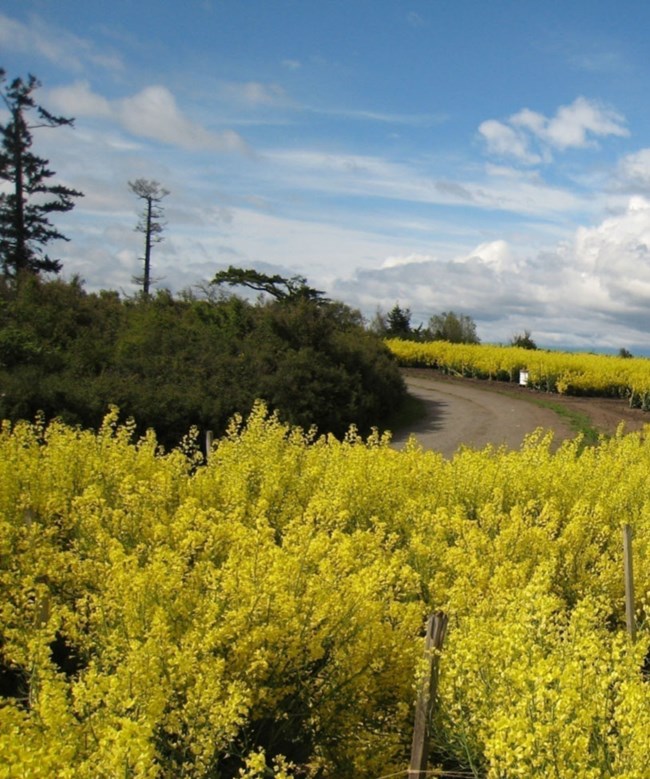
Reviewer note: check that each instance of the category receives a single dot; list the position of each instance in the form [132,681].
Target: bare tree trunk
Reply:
[147,252]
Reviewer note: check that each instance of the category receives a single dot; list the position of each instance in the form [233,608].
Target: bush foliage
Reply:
[173,362]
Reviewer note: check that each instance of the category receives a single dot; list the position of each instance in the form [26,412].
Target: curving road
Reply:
[459,412]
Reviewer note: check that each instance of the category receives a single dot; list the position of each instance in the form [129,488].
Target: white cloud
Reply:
[529,120]
[152,113]
[54,44]
[619,247]
[409,259]
[574,126]
[634,171]
[504,141]
[496,255]
[79,100]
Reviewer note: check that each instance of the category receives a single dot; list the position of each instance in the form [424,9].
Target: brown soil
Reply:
[477,413]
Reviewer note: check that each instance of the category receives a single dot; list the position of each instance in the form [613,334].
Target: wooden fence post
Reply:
[436,629]
[209,438]
[629,581]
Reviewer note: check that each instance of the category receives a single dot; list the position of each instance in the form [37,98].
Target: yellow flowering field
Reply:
[261,615]
[570,373]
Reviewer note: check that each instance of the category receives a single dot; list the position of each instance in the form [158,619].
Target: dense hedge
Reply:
[172,362]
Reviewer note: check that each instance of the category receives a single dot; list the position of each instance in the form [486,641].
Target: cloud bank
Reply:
[590,292]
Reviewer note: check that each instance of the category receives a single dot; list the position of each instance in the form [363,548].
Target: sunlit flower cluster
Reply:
[261,614]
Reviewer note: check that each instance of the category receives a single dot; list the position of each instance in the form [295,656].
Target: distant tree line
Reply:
[447,326]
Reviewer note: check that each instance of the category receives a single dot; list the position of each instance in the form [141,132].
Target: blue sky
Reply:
[487,157]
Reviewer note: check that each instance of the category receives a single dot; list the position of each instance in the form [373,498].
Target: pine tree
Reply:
[25,228]
[398,322]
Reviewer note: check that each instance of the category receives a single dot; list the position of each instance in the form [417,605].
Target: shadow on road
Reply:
[432,421]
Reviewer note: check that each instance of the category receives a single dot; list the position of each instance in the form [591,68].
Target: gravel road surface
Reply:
[475,413]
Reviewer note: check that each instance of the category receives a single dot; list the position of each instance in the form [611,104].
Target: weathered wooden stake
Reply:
[209,438]
[436,629]
[629,581]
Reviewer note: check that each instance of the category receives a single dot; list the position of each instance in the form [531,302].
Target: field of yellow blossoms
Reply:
[570,373]
[261,615]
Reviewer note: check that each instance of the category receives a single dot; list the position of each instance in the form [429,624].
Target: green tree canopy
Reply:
[523,340]
[398,322]
[452,327]
[25,228]
[278,287]
[173,362]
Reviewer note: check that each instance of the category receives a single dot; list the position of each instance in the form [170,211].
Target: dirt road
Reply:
[477,413]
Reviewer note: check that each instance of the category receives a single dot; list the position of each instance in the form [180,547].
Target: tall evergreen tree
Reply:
[24,224]
[398,322]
